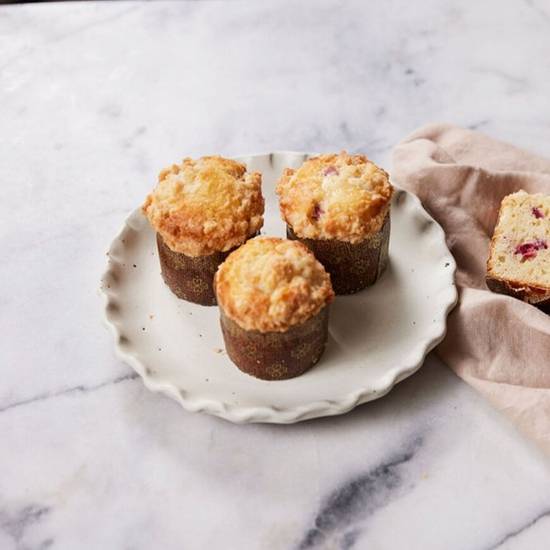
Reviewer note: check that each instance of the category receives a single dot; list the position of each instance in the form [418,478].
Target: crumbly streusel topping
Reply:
[344,197]
[206,205]
[271,284]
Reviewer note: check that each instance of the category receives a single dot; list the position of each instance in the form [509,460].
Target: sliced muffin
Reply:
[273,297]
[519,257]
[202,210]
[339,206]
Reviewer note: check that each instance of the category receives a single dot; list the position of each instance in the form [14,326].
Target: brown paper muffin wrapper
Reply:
[190,278]
[352,267]
[276,355]
[503,287]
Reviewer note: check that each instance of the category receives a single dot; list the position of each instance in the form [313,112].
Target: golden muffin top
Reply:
[207,205]
[344,197]
[271,284]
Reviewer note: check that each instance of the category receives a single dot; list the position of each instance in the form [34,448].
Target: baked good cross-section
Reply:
[519,258]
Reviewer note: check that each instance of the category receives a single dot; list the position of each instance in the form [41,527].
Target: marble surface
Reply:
[95,99]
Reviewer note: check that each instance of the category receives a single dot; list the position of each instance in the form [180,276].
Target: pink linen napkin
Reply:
[498,344]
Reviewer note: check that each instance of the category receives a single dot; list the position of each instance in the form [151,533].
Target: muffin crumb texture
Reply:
[207,205]
[271,284]
[520,253]
[344,197]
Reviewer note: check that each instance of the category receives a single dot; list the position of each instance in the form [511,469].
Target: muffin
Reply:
[273,297]
[339,206]
[519,257]
[201,210]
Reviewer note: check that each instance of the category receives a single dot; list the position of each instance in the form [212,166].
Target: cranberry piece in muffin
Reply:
[273,296]
[339,206]
[201,210]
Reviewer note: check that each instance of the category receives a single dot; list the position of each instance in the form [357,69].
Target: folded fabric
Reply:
[498,344]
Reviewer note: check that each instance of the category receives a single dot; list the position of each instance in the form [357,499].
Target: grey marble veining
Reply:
[359,498]
[97,97]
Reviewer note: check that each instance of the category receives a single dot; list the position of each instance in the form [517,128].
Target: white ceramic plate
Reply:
[377,337]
